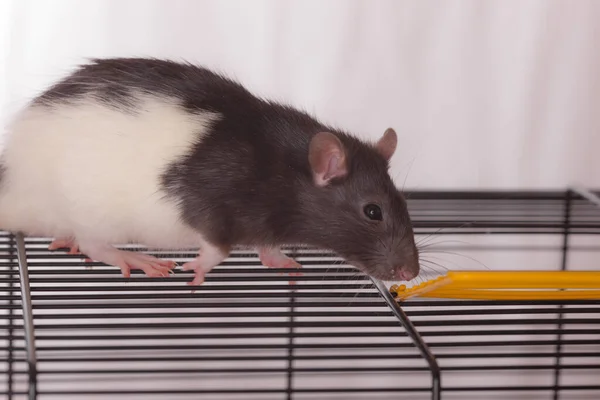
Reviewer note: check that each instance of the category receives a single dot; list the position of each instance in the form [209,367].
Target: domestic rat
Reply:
[172,155]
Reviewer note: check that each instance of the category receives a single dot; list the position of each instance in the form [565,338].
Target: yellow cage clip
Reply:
[506,285]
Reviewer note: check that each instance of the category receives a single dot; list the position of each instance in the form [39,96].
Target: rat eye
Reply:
[373,211]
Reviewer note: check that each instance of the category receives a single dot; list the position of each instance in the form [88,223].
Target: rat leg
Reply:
[60,243]
[127,260]
[209,257]
[274,258]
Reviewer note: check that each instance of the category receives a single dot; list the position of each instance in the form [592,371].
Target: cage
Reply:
[76,330]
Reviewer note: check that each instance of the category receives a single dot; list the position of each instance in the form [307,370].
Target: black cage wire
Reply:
[75,330]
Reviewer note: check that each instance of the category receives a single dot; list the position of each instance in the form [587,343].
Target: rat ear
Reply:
[327,158]
[386,146]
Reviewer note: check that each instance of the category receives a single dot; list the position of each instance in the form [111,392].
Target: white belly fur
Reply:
[92,171]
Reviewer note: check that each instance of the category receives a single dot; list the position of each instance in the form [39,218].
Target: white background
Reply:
[482,93]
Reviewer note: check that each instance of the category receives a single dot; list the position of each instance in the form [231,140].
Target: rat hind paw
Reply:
[128,260]
[152,266]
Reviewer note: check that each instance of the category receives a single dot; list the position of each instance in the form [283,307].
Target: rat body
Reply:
[173,155]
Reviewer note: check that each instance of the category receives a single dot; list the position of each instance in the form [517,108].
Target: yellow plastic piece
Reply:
[507,285]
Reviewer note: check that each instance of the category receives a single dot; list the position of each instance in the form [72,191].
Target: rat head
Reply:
[356,210]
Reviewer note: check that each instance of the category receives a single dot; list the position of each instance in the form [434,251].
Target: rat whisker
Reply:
[433,265]
[336,264]
[420,279]
[453,241]
[422,241]
[359,291]
[441,229]
[429,261]
[431,243]
[440,259]
[407,173]
[429,273]
[465,256]
[383,244]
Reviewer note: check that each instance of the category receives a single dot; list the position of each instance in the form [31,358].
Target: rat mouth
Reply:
[374,272]
[380,272]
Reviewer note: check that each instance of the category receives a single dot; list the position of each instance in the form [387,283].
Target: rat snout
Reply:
[401,263]
[409,269]
[404,273]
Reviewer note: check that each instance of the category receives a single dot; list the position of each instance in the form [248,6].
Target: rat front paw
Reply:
[209,257]
[274,258]
[65,243]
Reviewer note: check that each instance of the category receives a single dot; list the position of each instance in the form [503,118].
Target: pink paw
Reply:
[152,266]
[209,257]
[199,271]
[274,258]
[60,243]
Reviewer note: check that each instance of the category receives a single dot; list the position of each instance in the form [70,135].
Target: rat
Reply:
[173,155]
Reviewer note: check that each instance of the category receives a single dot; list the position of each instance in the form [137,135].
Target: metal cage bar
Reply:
[11,314]
[434,368]
[563,267]
[570,222]
[27,316]
[291,332]
[290,349]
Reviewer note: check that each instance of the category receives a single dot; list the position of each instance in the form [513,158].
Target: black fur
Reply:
[249,181]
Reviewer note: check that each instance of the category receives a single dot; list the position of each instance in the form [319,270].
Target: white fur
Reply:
[92,171]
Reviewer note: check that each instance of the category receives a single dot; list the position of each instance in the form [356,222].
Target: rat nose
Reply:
[405,274]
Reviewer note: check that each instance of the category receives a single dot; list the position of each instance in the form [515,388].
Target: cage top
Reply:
[504,212]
